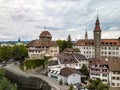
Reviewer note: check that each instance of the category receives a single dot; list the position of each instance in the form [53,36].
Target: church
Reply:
[98,46]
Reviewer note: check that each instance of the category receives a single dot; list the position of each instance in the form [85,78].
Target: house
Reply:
[66,74]
[44,46]
[107,69]
[71,57]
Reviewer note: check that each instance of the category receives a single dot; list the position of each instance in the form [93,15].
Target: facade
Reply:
[107,69]
[71,57]
[98,47]
[67,75]
[44,46]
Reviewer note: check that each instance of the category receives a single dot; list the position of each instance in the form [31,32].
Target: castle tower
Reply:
[86,35]
[97,38]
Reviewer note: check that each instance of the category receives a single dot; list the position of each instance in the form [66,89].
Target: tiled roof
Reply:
[67,71]
[45,33]
[113,63]
[41,43]
[104,42]
[65,58]
[71,50]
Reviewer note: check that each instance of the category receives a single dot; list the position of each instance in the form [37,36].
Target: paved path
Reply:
[52,82]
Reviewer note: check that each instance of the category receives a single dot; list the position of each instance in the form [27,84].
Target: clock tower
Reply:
[97,38]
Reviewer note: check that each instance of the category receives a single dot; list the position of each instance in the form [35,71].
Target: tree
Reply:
[69,43]
[19,52]
[62,44]
[84,70]
[70,87]
[5,84]
[5,53]
[61,82]
[97,85]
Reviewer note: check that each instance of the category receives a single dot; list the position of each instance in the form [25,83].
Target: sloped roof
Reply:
[41,43]
[66,58]
[104,42]
[45,34]
[113,63]
[71,50]
[66,71]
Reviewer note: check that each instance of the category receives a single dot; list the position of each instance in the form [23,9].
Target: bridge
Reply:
[15,70]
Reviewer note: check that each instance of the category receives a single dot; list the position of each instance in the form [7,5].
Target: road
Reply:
[52,82]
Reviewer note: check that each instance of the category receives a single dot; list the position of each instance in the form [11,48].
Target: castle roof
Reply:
[45,34]
[41,43]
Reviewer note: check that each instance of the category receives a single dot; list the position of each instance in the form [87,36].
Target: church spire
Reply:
[97,25]
[86,35]
[19,40]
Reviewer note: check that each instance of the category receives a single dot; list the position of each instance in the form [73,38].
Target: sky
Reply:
[28,18]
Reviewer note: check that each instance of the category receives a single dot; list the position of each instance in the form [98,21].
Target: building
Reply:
[98,46]
[44,46]
[66,74]
[107,69]
[71,57]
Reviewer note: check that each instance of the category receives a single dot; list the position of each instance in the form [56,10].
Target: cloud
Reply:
[27,18]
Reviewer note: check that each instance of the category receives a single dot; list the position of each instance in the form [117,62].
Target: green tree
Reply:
[5,53]
[61,82]
[84,70]
[19,52]
[5,84]
[69,43]
[70,87]
[97,85]
[62,44]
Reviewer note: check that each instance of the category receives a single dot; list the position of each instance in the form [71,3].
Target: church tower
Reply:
[86,35]
[97,38]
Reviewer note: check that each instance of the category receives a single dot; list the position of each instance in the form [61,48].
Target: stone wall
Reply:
[27,81]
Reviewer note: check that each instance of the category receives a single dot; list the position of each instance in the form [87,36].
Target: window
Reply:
[118,78]
[113,78]
[113,84]
[95,65]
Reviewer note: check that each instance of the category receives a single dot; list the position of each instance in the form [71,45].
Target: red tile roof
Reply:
[45,33]
[104,42]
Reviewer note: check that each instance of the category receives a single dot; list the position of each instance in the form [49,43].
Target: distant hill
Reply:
[14,42]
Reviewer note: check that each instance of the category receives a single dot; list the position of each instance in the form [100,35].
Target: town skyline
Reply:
[27,19]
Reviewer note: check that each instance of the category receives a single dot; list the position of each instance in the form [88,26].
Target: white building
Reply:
[107,69]
[43,47]
[106,47]
[67,75]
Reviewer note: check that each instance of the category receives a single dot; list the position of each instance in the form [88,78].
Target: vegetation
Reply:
[5,84]
[64,44]
[61,82]
[84,70]
[97,85]
[19,52]
[16,52]
[32,64]
[5,53]
[70,87]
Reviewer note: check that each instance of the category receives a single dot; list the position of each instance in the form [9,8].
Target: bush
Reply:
[32,64]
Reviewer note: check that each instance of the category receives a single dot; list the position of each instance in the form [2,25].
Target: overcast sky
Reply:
[27,18]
